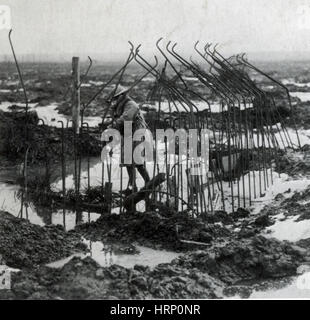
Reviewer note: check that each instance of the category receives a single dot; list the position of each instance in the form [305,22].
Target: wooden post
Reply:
[76,93]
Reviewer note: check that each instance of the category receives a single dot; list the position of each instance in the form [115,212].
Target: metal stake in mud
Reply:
[63,172]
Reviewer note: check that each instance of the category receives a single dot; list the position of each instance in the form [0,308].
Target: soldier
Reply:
[125,109]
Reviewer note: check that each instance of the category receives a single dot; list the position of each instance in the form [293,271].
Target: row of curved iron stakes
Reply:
[234,91]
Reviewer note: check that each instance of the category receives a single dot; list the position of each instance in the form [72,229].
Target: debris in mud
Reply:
[92,198]
[241,213]
[246,259]
[304,243]
[24,245]
[218,216]
[122,249]
[153,230]
[263,221]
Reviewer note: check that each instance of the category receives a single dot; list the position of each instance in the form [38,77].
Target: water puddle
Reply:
[297,289]
[282,184]
[10,202]
[289,229]
[303,96]
[107,255]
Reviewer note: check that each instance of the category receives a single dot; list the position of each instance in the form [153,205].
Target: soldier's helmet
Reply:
[119,90]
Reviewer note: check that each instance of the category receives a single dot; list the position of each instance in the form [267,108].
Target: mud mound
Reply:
[246,259]
[153,230]
[294,163]
[301,114]
[298,205]
[85,279]
[24,245]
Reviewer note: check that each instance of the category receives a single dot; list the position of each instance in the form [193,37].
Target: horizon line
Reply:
[259,56]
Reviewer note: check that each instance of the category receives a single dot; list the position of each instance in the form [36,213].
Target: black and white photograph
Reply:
[154,150]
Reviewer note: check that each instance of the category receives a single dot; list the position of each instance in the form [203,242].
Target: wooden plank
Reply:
[196,243]
[76,93]
[133,199]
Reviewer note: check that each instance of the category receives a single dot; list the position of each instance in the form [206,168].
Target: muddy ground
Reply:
[231,252]
[44,142]
[221,252]
[199,274]
[153,229]
[24,245]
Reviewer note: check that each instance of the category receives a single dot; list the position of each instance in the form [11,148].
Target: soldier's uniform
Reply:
[128,110]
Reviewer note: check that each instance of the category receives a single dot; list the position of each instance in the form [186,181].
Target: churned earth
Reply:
[233,259]
[221,254]
[25,245]
[199,274]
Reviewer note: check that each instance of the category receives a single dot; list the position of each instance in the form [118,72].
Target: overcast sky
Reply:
[102,27]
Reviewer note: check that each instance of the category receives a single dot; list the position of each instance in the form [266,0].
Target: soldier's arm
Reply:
[130,111]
